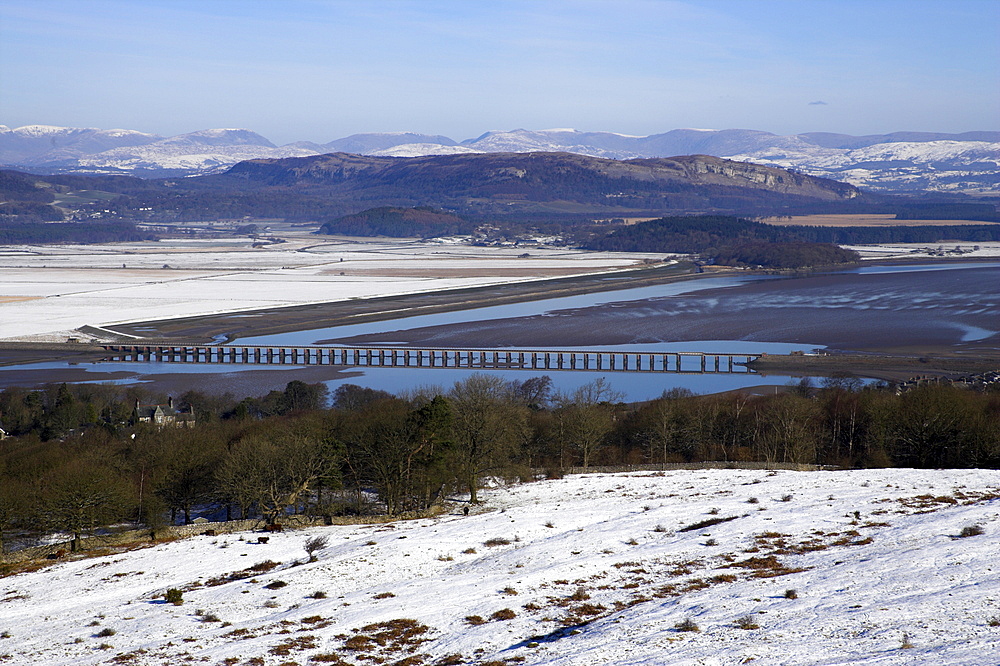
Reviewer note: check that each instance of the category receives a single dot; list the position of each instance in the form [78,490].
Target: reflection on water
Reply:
[635,386]
[919,268]
[973,333]
[500,311]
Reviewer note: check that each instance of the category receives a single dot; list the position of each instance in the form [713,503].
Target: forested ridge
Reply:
[78,460]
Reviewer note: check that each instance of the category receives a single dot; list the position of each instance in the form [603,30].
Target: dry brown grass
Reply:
[18,299]
[503,614]
[383,642]
[250,572]
[768,566]
[329,658]
[289,644]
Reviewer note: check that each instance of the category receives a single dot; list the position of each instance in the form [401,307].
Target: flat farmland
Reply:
[46,292]
[862,220]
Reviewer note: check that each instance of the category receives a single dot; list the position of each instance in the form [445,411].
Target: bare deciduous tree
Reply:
[489,427]
[314,545]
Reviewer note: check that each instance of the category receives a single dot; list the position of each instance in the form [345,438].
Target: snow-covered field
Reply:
[984,249]
[48,291]
[847,567]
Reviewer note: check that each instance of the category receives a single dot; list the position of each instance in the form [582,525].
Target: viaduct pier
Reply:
[407,357]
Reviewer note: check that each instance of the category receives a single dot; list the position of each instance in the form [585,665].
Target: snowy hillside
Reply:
[968,166]
[419,150]
[194,157]
[968,162]
[125,150]
[858,567]
[37,144]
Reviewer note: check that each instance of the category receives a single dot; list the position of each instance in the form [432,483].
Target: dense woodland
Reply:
[77,459]
[726,240]
[949,211]
[708,233]
[420,222]
[71,232]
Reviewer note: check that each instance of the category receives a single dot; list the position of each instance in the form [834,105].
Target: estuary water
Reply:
[944,307]
[491,313]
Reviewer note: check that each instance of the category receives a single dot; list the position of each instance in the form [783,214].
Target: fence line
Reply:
[667,467]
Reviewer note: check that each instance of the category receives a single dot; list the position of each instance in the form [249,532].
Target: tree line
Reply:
[37,232]
[77,459]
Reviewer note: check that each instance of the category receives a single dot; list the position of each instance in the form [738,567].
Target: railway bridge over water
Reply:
[411,357]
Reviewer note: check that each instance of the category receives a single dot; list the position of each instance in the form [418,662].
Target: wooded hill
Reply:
[78,461]
[724,240]
[738,241]
[513,183]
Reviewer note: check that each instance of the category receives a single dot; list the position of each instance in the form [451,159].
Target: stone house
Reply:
[164,415]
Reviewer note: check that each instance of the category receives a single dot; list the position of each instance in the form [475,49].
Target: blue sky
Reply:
[321,69]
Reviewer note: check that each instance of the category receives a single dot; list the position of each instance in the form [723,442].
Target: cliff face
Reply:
[717,171]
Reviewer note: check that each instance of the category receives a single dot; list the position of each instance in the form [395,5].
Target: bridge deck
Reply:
[406,357]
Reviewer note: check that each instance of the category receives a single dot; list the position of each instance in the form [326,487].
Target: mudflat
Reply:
[956,310]
[203,328]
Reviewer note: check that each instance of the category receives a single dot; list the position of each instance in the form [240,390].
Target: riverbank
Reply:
[204,329]
[888,367]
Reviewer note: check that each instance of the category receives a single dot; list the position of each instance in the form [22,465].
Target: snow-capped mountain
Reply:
[968,162]
[594,144]
[197,152]
[39,144]
[218,137]
[421,150]
[370,144]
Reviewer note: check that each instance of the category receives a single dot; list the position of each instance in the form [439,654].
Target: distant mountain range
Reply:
[551,188]
[900,161]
